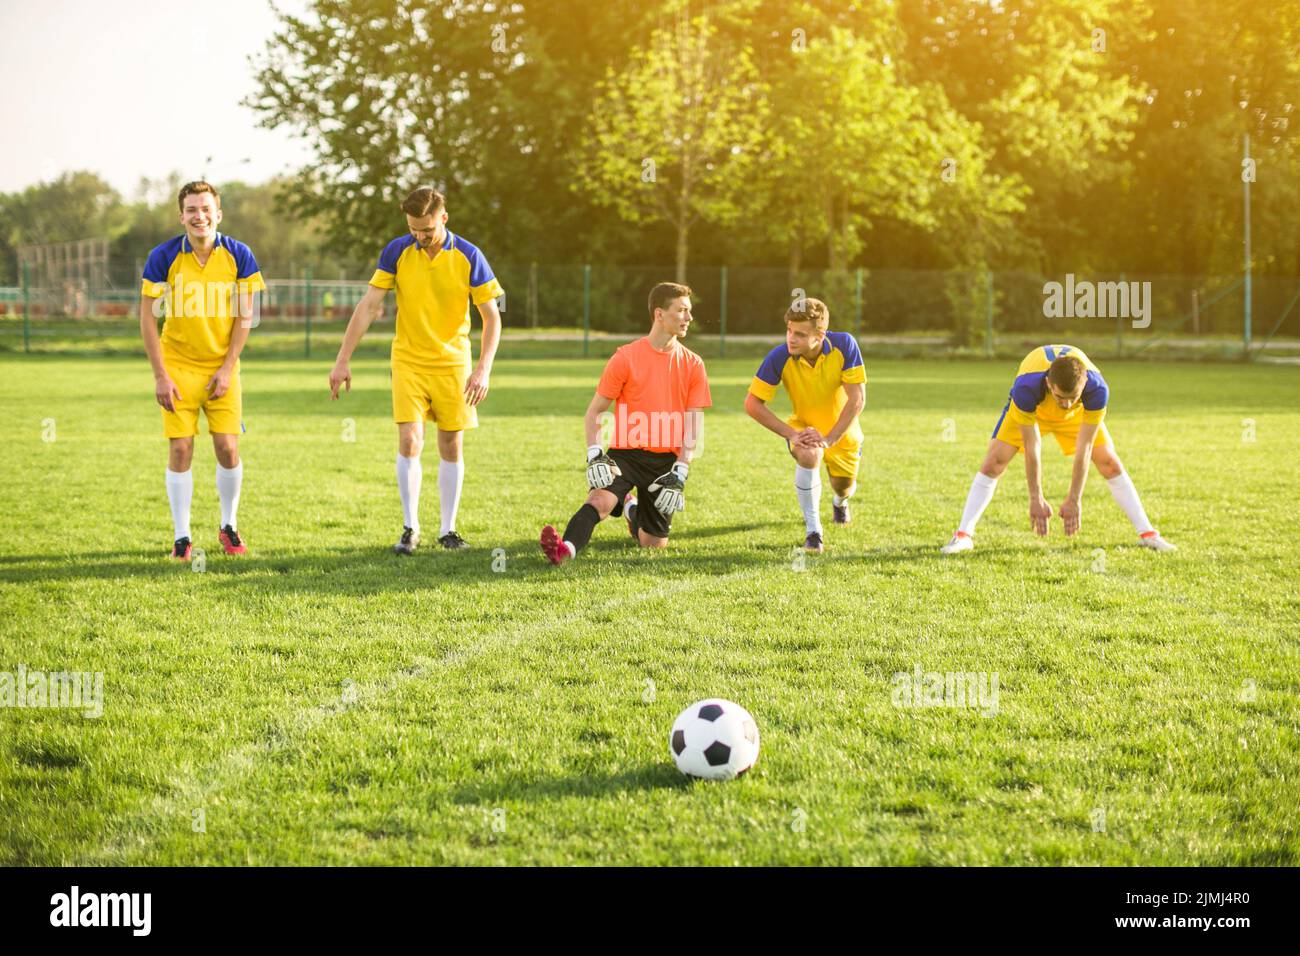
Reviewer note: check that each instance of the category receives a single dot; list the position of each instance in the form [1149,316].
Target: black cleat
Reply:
[181,549]
[452,541]
[813,543]
[409,542]
[841,513]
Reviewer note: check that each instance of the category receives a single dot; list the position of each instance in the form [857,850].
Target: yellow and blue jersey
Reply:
[200,313]
[816,388]
[433,297]
[1031,400]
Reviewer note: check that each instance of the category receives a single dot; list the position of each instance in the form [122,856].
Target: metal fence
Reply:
[583,310]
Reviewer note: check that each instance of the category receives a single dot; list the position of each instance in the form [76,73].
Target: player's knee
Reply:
[449,446]
[992,467]
[603,501]
[180,453]
[1108,465]
[226,448]
[808,457]
[650,541]
[410,444]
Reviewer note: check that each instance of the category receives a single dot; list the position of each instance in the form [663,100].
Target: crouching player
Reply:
[823,374]
[1057,391]
[659,390]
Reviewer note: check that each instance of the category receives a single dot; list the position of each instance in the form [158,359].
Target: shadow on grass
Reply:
[652,776]
[374,568]
[522,554]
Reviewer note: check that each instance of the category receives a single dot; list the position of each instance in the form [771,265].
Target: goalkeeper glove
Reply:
[601,470]
[672,490]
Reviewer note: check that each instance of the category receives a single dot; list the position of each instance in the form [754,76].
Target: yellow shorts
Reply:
[225,415]
[1066,432]
[437,396]
[842,458]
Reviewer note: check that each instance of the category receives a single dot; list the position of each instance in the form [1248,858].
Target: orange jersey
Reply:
[652,391]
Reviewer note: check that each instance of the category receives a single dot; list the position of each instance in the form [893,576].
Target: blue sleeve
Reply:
[392,252]
[772,367]
[160,262]
[245,264]
[1028,391]
[849,346]
[480,273]
[1095,393]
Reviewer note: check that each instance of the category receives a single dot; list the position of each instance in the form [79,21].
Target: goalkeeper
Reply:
[659,389]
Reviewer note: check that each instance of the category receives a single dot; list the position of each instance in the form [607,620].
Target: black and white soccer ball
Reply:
[714,739]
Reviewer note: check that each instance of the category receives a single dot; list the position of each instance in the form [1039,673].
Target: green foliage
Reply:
[1085,136]
[677,135]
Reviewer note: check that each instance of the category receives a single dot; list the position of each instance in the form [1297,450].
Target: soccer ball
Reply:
[714,739]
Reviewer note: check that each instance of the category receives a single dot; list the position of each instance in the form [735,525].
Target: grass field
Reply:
[322,701]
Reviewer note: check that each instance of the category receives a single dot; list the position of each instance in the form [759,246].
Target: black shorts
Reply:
[639,470]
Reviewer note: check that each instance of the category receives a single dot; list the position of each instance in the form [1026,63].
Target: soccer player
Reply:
[659,390]
[823,374]
[437,274]
[1057,391]
[205,282]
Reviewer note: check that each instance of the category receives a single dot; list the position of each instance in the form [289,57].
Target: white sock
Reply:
[808,486]
[1126,496]
[409,474]
[839,501]
[451,477]
[180,489]
[229,481]
[977,499]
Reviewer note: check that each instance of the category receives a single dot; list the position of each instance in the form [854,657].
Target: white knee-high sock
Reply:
[229,481]
[1126,496]
[180,489]
[451,477]
[977,499]
[409,475]
[808,486]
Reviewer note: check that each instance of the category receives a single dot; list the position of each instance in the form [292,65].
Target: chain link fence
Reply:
[570,311]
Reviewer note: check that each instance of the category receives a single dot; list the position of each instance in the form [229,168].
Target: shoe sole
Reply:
[550,543]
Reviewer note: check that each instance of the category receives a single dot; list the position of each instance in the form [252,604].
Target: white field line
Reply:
[166,815]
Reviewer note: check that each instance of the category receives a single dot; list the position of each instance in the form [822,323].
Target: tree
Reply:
[676,136]
[479,98]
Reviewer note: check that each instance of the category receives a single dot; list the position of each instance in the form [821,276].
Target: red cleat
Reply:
[181,549]
[556,551]
[231,542]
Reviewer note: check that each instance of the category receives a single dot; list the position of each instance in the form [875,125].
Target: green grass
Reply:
[323,701]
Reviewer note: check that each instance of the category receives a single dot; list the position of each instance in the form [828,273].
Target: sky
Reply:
[137,88]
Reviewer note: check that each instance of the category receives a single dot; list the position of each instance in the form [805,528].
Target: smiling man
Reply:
[436,275]
[659,390]
[822,372]
[1057,391]
[204,281]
